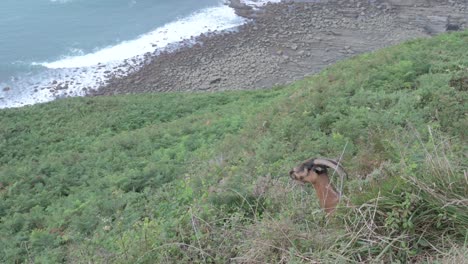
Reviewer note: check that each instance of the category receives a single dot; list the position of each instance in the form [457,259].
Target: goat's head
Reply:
[311,169]
[314,171]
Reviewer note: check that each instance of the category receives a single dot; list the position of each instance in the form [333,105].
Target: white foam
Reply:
[210,19]
[82,72]
[259,3]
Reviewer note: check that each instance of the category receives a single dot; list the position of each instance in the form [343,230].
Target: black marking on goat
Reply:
[308,164]
[319,169]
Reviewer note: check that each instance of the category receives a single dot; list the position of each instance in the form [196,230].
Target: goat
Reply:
[314,171]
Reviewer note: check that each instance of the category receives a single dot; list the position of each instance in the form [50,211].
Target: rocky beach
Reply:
[281,42]
[287,41]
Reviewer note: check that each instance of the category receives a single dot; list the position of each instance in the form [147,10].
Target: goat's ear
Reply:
[319,169]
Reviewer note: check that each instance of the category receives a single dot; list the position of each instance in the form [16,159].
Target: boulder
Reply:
[452,27]
[243,10]
[237,4]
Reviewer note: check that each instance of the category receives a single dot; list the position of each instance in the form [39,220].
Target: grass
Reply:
[202,177]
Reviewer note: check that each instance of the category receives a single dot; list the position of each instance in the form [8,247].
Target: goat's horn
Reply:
[332,164]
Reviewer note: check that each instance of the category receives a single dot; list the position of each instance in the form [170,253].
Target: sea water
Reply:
[58,48]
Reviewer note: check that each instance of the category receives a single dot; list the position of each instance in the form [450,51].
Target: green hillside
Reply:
[203,177]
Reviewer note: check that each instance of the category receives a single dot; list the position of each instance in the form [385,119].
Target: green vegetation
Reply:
[202,178]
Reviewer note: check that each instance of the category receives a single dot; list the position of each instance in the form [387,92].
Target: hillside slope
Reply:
[202,178]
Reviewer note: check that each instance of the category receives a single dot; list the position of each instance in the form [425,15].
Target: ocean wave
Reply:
[78,73]
[209,19]
[258,3]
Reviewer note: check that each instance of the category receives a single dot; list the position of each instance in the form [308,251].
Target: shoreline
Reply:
[281,43]
[76,75]
[287,41]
